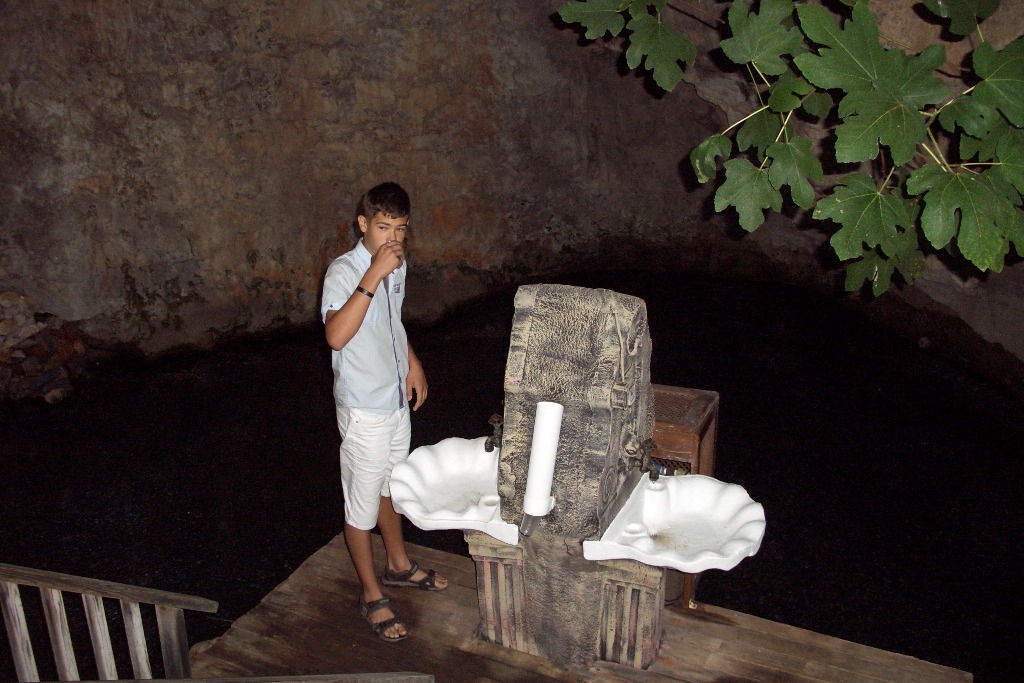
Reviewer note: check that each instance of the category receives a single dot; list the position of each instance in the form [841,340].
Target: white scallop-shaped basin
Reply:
[690,523]
[452,485]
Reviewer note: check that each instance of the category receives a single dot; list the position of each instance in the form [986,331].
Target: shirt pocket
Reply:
[378,306]
[398,291]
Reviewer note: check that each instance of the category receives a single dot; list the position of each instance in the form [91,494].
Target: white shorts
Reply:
[371,445]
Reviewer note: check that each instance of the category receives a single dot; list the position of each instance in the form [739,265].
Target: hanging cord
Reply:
[394,342]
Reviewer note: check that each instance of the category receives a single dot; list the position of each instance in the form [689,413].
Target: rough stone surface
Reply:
[177,173]
[589,350]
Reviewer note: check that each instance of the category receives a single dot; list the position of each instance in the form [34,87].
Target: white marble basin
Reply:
[452,485]
[690,523]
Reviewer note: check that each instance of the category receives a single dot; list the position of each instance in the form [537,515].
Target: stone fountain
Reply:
[590,351]
[586,580]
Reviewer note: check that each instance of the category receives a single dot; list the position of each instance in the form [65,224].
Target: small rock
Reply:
[31,366]
[51,363]
[55,396]
[10,298]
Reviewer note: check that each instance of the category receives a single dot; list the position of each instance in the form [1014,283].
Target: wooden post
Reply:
[60,634]
[136,640]
[17,633]
[106,669]
[173,642]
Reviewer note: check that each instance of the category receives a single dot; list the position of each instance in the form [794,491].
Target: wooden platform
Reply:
[309,625]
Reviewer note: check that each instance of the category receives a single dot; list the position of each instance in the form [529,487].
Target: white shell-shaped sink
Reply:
[690,523]
[452,485]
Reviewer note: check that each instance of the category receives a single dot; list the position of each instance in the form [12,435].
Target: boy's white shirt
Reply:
[370,370]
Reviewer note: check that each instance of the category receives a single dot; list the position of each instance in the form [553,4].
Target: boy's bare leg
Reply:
[390,524]
[358,541]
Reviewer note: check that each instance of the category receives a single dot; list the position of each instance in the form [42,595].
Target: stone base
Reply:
[500,591]
[542,598]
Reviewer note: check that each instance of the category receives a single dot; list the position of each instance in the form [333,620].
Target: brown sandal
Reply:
[369,608]
[404,579]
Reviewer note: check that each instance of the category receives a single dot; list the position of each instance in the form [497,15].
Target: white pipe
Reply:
[547,427]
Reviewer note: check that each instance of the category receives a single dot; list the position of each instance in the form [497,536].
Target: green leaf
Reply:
[867,215]
[1002,75]
[984,147]
[761,39]
[597,16]
[911,79]
[886,88]
[818,104]
[747,188]
[1010,152]
[638,7]
[970,114]
[663,47]
[793,164]
[975,209]
[761,130]
[965,14]
[889,112]
[878,269]
[1014,230]
[703,157]
[787,92]
[873,118]
[873,268]
[907,255]
[851,58]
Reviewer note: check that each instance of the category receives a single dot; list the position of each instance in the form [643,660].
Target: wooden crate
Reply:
[685,427]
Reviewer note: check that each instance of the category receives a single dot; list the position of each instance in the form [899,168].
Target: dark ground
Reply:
[891,479]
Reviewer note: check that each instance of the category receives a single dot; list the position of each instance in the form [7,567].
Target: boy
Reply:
[375,374]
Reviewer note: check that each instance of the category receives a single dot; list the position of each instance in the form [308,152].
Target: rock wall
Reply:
[39,354]
[175,173]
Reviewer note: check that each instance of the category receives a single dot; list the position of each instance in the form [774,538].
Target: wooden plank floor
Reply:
[309,625]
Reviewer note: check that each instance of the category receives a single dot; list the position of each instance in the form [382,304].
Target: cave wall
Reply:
[179,171]
[174,173]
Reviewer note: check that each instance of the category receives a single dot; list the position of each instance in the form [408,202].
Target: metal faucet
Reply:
[494,440]
[642,459]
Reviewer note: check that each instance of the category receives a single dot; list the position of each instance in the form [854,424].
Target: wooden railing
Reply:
[169,616]
[397,677]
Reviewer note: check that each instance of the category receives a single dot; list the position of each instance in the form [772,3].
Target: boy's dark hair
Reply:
[387,198]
